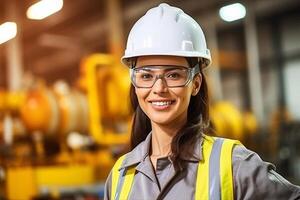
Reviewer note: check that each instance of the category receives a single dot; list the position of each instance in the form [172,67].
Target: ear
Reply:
[196,84]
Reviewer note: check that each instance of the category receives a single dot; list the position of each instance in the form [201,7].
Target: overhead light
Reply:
[232,12]
[44,8]
[8,30]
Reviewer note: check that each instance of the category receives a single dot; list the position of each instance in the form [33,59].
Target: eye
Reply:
[173,75]
[145,76]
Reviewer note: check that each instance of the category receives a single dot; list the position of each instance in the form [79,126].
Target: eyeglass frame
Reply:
[192,71]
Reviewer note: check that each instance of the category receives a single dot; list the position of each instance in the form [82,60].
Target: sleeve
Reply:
[256,179]
[107,187]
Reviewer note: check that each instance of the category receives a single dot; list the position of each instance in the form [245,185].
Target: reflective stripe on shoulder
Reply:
[214,174]
[202,180]
[115,176]
[226,168]
[214,169]
[121,180]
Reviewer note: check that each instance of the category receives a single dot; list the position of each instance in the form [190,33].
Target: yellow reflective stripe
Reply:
[226,169]
[202,183]
[127,183]
[116,176]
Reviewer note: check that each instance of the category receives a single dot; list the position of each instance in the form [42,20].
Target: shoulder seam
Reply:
[239,157]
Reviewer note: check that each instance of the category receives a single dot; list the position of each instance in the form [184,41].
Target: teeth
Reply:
[162,103]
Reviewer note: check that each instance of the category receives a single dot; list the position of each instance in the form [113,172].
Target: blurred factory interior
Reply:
[62,123]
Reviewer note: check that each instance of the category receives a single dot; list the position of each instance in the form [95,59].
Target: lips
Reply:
[161,104]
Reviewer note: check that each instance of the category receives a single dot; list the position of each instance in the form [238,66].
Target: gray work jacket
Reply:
[253,178]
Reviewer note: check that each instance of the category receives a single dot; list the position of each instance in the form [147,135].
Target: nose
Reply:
[160,86]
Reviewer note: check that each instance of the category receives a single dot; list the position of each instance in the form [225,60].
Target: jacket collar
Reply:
[138,154]
[141,152]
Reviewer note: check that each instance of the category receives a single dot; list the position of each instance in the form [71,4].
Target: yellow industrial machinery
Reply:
[100,111]
[40,110]
[2,108]
[229,122]
[100,108]
[27,181]
[2,101]
[10,101]
[56,110]
[108,88]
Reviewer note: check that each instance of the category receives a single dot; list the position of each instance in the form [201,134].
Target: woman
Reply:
[171,157]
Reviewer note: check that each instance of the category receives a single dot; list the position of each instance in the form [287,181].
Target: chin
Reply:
[161,119]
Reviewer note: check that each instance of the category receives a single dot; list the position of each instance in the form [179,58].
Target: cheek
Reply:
[183,93]
[139,93]
[141,96]
[186,99]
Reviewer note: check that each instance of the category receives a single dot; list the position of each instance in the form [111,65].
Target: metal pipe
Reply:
[14,50]
[214,70]
[116,40]
[253,66]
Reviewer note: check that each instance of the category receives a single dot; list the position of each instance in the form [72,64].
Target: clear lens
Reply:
[174,76]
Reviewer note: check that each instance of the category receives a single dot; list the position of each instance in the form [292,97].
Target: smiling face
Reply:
[166,106]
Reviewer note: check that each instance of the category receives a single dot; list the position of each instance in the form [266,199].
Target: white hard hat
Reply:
[166,30]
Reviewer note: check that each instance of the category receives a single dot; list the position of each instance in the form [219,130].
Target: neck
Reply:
[161,142]
[162,138]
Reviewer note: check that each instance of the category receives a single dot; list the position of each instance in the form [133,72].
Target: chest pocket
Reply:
[214,174]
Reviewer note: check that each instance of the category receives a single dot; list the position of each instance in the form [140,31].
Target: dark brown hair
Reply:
[184,141]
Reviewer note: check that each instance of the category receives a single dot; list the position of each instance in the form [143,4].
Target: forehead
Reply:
[161,60]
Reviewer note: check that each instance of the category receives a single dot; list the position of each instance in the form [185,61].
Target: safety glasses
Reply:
[172,75]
